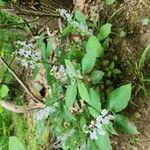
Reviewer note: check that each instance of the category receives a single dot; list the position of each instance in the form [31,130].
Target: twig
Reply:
[36,13]
[60,25]
[1,82]
[120,9]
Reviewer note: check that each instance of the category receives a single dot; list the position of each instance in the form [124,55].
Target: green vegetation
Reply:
[84,106]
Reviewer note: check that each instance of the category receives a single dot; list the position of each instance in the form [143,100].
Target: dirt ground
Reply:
[140,116]
[129,49]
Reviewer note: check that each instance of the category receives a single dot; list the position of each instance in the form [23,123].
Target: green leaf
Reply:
[3,91]
[3,142]
[109,127]
[1,3]
[143,58]
[109,2]
[95,100]
[93,112]
[93,49]
[15,144]
[112,65]
[119,98]
[88,62]
[97,76]
[92,145]
[35,72]
[67,30]
[46,52]
[103,142]
[116,71]
[125,125]
[71,70]
[49,77]
[104,31]
[71,94]
[67,114]
[79,16]
[93,44]
[41,128]
[106,43]
[1,108]
[83,91]
[82,122]
[76,54]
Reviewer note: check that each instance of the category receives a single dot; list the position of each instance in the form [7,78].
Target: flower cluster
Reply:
[96,127]
[82,26]
[78,75]
[27,55]
[63,13]
[43,113]
[60,73]
[61,140]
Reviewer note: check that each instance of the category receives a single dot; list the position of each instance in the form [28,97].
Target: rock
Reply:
[137,115]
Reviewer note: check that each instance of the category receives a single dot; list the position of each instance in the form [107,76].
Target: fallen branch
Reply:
[21,109]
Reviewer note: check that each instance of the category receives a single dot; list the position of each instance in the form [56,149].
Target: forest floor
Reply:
[129,49]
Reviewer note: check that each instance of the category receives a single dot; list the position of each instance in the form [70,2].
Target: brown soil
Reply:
[129,49]
[140,116]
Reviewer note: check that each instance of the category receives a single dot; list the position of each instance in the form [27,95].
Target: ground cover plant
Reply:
[73,100]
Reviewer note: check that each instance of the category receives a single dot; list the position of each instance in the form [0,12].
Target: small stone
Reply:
[137,115]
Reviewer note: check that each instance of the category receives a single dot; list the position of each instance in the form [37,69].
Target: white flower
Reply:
[96,126]
[43,113]
[21,52]
[63,138]
[79,74]
[83,27]
[73,81]
[106,120]
[100,130]
[27,55]
[93,134]
[92,124]
[21,43]
[24,62]
[99,118]
[62,69]
[36,56]
[30,46]
[60,73]
[63,13]
[104,112]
